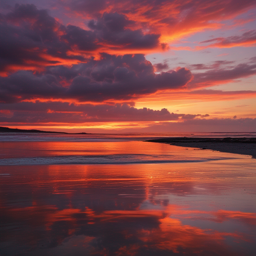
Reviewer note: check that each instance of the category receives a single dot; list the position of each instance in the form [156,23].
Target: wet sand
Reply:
[199,203]
[245,146]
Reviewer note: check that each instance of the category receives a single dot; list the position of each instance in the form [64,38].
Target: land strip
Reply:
[245,146]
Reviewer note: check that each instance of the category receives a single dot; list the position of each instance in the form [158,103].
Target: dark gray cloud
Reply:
[161,66]
[222,75]
[91,7]
[81,39]
[123,78]
[33,39]
[38,112]
[110,78]
[223,64]
[26,85]
[112,29]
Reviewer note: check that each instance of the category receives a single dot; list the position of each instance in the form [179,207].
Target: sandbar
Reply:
[244,146]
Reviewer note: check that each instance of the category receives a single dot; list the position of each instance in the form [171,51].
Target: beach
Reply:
[105,195]
[244,146]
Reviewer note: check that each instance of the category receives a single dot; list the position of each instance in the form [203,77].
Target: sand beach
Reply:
[244,146]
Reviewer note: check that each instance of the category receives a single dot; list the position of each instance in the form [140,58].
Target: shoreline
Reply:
[243,146]
[16,130]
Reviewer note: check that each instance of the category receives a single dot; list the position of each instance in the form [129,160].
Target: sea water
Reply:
[119,195]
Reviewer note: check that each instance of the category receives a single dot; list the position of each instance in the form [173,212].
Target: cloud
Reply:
[246,39]
[204,125]
[90,7]
[65,62]
[161,66]
[202,95]
[222,75]
[60,112]
[219,64]
[216,95]
[111,29]
[25,85]
[170,18]
[110,78]
[81,39]
[33,39]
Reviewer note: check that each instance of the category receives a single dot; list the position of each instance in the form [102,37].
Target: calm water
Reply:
[90,195]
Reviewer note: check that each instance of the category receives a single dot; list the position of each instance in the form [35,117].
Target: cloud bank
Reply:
[110,78]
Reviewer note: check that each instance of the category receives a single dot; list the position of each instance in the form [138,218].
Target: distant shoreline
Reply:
[244,146]
[10,130]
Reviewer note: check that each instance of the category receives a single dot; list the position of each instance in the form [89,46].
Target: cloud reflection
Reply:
[118,216]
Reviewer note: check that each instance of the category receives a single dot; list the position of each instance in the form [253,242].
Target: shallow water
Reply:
[125,197]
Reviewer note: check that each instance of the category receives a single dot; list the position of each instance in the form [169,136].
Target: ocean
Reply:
[102,194]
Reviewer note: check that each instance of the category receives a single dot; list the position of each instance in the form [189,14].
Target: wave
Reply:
[112,137]
[103,159]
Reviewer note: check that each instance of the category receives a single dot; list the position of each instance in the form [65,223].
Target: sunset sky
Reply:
[128,66]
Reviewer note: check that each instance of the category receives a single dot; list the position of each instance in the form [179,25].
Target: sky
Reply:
[130,66]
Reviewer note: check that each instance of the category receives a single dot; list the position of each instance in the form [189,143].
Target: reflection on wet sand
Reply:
[118,231]
[167,209]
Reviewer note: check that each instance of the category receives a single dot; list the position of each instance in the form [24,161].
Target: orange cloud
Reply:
[173,19]
[247,39]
